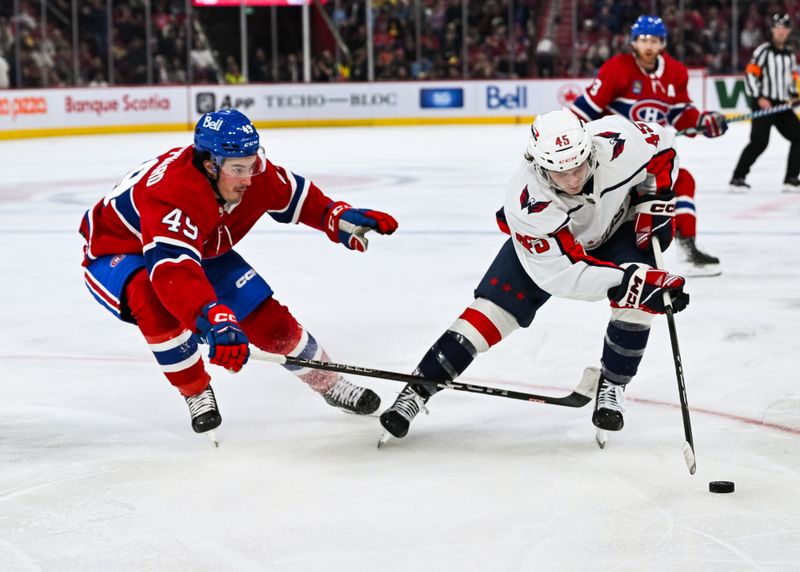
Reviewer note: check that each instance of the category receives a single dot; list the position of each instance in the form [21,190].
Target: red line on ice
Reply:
[722,414]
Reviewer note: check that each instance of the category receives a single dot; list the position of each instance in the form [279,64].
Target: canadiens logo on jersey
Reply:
[614,139]
[647,110]
[623,87]
[532,206]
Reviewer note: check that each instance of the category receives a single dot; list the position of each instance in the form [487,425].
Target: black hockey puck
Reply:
[721,486]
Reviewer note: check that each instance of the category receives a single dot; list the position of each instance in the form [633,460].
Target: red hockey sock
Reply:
[685,214]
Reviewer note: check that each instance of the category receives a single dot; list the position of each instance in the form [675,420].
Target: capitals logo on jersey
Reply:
[616,141]
[532,206]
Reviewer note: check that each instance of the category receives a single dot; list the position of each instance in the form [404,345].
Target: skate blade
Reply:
[212,436]
[384,438]
[709,271]
[601,437]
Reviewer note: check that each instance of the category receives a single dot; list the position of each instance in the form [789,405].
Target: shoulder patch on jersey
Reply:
[533,206]
[615,140]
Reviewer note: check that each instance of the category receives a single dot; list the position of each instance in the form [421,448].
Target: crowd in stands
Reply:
[700,36]
[496,43]
[412,39]
[603,31]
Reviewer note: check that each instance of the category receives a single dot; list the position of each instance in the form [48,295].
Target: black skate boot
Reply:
[738,185]
[698,263]
[352,398]
[397,419]
[608,406]
[791,185]
[204,412]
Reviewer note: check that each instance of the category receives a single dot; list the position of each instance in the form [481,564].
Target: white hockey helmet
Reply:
[559,141]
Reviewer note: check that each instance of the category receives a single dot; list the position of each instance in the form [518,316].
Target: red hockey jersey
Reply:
[167,210]
[624,88]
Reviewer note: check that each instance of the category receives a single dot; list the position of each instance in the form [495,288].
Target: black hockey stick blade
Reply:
[582,394]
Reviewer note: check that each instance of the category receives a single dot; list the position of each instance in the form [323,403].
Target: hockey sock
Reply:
[173,346]
[317,379]
[272,328]
[180,359]
[685,212]
[446,359]
[623,349]
[479,327]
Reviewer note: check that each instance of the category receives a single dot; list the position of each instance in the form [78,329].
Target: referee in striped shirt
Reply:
[771,79]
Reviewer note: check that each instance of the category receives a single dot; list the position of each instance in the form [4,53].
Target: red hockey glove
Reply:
[712,123]
[655,216]
[228,346]
[348,226]
[643,287]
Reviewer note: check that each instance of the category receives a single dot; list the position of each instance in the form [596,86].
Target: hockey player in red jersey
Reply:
[582,210]
[649,85]
[159,254]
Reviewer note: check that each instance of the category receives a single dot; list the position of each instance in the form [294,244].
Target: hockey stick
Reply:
[582,394]
[745,116]
[688,446]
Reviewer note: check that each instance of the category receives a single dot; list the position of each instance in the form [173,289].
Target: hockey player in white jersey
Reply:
[581,211]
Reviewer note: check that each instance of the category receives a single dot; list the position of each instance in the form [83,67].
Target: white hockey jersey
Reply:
[554,232]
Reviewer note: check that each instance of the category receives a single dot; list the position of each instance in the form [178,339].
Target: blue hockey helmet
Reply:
[226,133]
[649,26]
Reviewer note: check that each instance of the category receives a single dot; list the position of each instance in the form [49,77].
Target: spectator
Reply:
[751,35]
[4,69]
[259,67]
[98,80]
[324,68]
[292,69]
[546,55]
[203,65]
[233,74]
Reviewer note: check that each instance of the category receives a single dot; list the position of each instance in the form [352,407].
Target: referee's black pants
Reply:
[788,125]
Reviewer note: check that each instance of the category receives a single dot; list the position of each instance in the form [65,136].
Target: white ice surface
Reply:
[99,469]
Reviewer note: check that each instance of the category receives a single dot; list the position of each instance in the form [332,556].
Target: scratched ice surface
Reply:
[101,471]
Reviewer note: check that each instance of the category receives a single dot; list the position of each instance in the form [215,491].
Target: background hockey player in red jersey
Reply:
[581,209]
[649,85]
[159,254]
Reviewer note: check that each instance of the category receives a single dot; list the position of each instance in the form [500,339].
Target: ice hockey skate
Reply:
[738,185]
[205,414]
[791,185]
[608,409]
[397,419]
[696,263]
[352,398]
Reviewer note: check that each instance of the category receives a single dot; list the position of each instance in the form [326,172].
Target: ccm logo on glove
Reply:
[642,288]
[228,345]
